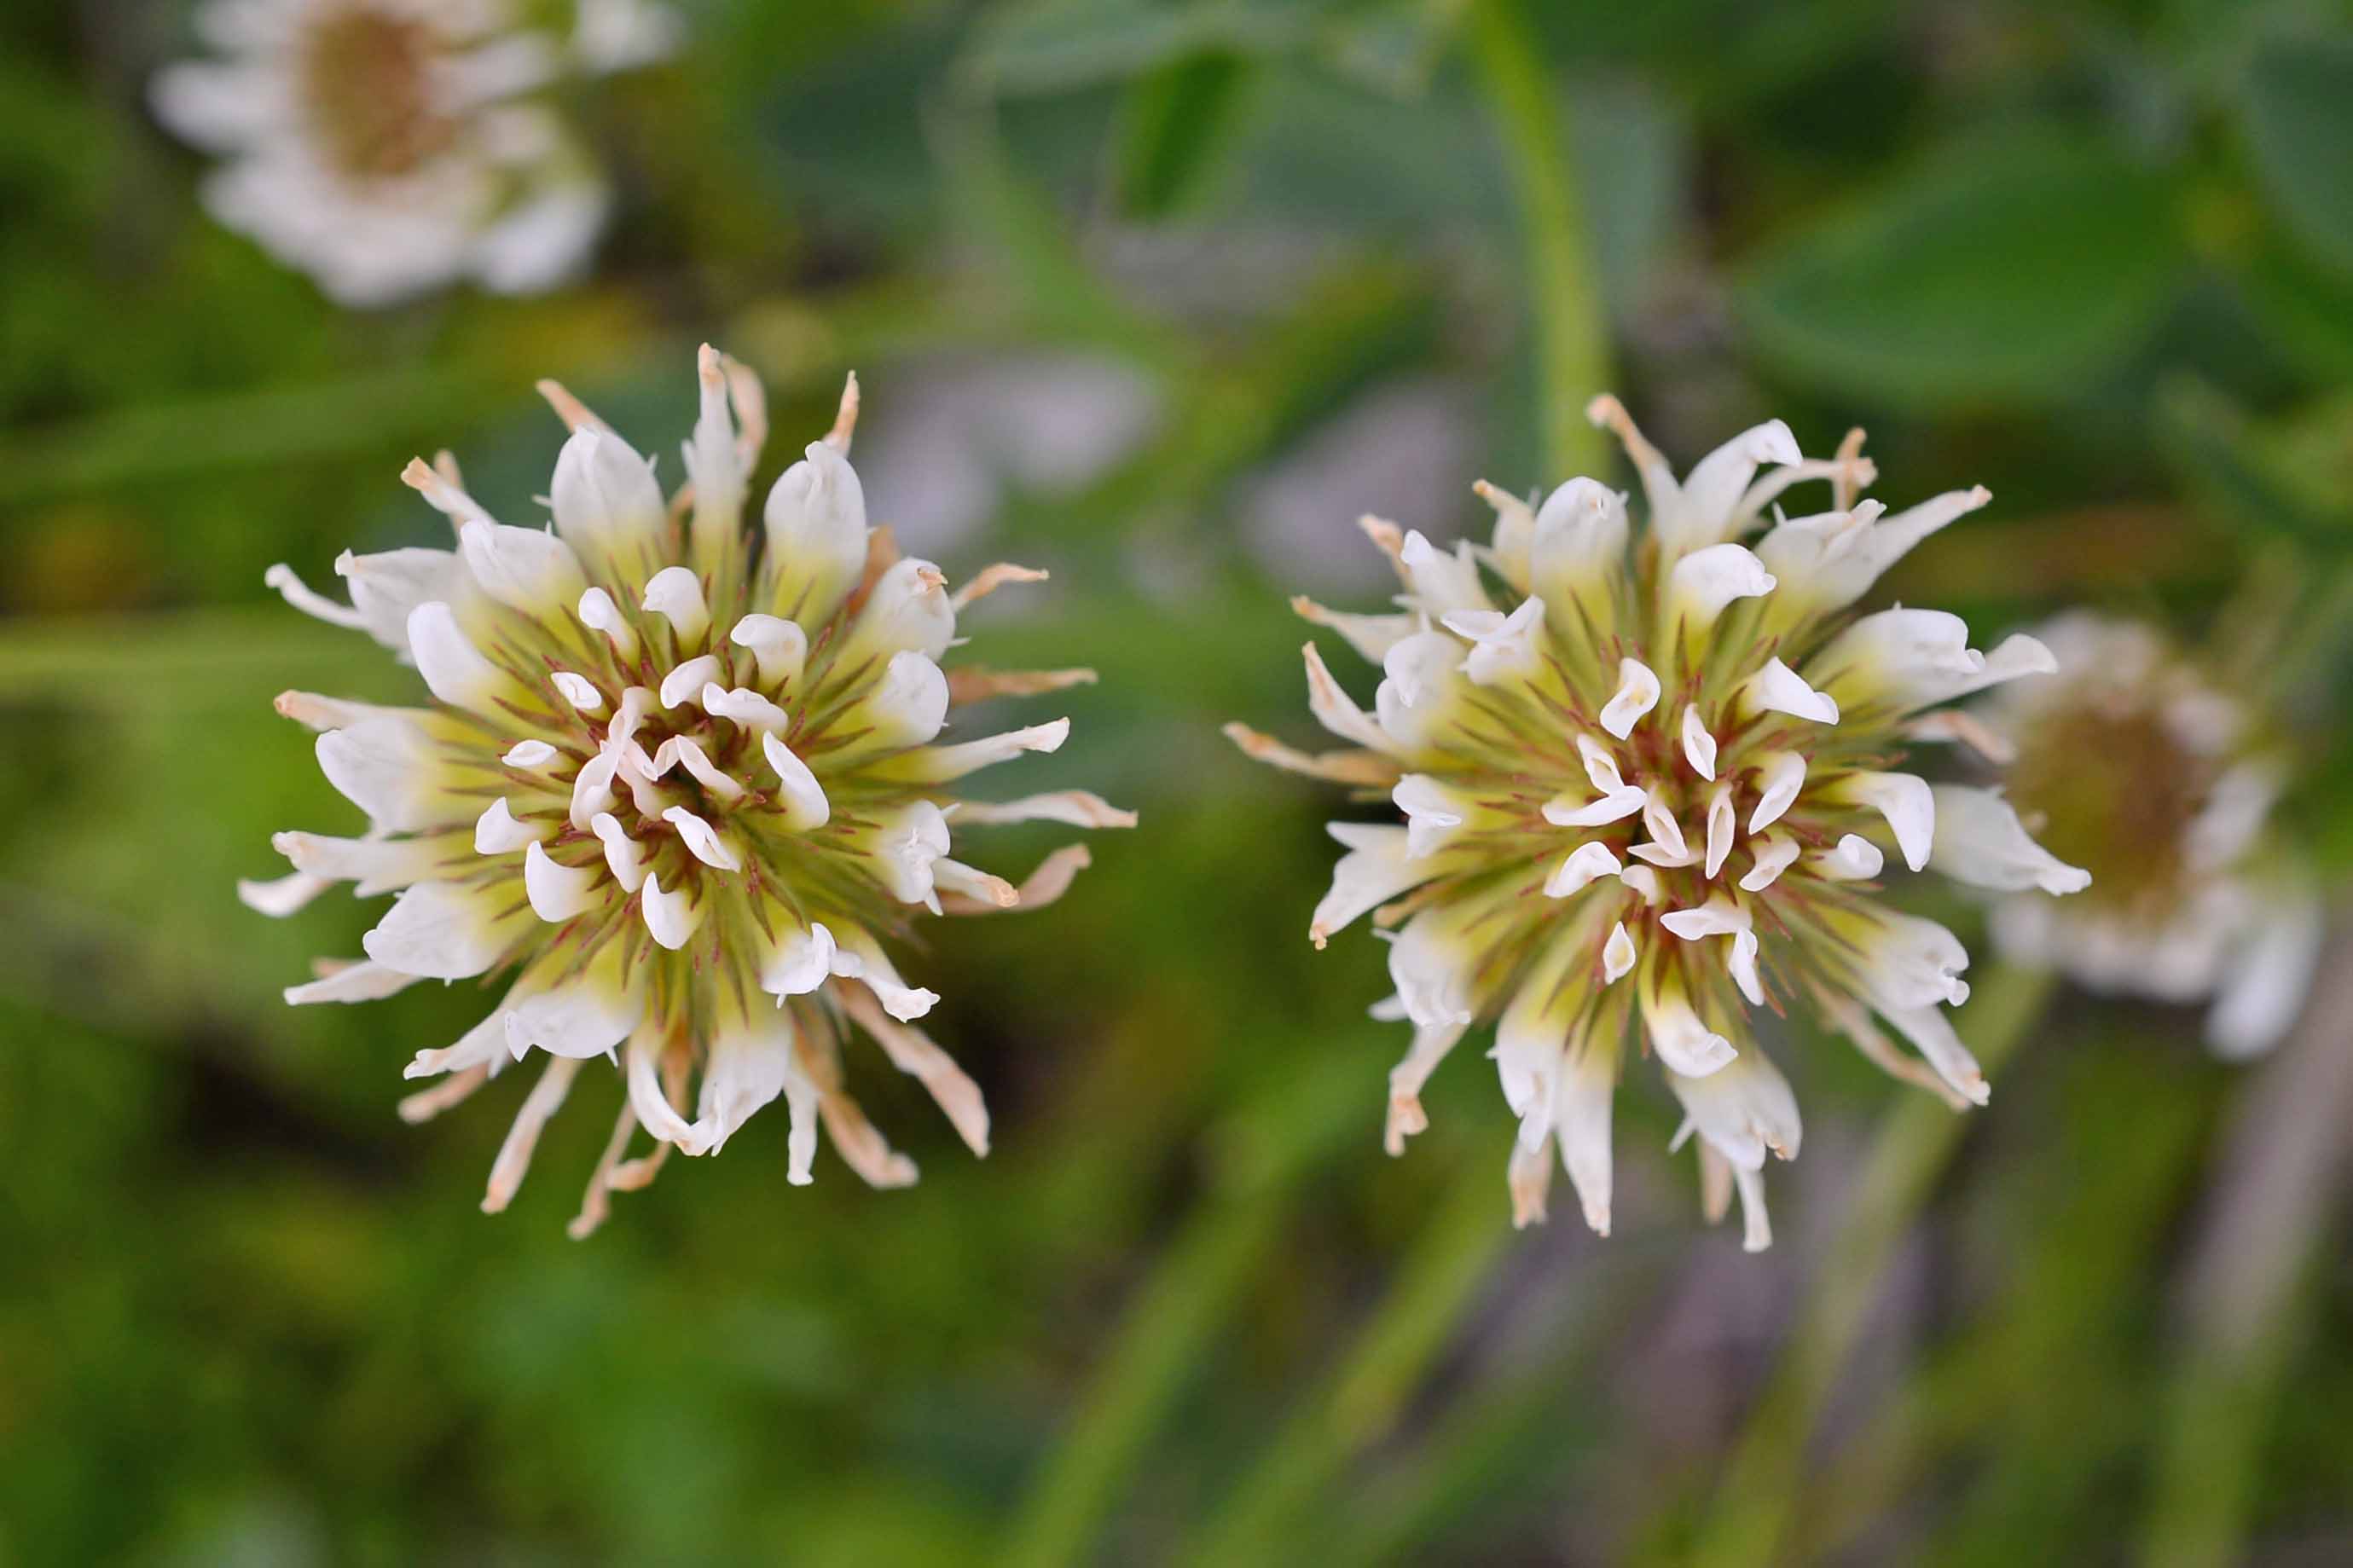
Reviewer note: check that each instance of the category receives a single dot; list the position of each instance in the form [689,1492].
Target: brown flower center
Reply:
[367,83]
[2115,792]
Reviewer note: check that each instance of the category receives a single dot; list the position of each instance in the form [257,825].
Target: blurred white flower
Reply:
[390,147]
[1649,777]
[685,787]
[2139,765]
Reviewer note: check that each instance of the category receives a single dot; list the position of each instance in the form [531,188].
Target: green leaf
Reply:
[2298,116]
[2283,478]
[1174,124]
[2015,269]
[1056,46]
[2304,312]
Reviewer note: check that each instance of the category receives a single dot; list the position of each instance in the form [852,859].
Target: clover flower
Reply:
[684,789]
[389,147]
[1651,777]
[2139,766]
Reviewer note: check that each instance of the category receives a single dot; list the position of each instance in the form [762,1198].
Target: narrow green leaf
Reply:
[1174,124]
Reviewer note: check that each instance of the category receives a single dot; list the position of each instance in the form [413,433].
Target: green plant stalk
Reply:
[1268,1152]
[1917,1139]
[1571,329]
[1360,1400]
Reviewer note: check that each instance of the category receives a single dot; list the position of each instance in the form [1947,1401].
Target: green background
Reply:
[1316,257]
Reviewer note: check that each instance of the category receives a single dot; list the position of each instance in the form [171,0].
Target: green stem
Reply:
[2249,1296]
[1571,329]
[1360,1401]
[1917,1139]
[1266,1152]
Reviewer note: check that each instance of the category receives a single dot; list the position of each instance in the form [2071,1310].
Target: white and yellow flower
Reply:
[683,786]
[2143,768]
[390,147]
[1651,778]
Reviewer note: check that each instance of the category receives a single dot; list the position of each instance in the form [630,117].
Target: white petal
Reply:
[579,690]
[816,517]
[1779,777]
[805,806]
[1432,967]
[592,790]
[874,971]
[800,962]
[686,750]
[905,844]
[748,1066]
[1618,955]
[584,1016]
[439,931]
[687,681]
[388,767]
[1586,864]
[558,894]
[1335,712]
[908,610]
[1441,582]
[623,856]
[1718,917]
[1600,765]
[352,982]
[1743,964]
[496,831]
[1699,745]
[1581,1125]
[1712,491]
[453,668]
[1683,1044]
[1908,962]
[743,706]
[521,567]
[1432,812]
[1505,647]
[1744,1110]
[939,764]
[1854,859]
[655,1113]
[2265,991]
[1705,583]
[530,754]
[1721,828]
[281,896]
[1614,807]
[1644,882]
[671,916]
[1905,800]
[1774,853]
[1422,689]
[1637,694]
[1778,688]
[779,647]
[605,499]
[1979,840]
[599,612]
[1659,818]
[702,841]
[675,594]
[1579,540]
[1380,864]
[1928,1029]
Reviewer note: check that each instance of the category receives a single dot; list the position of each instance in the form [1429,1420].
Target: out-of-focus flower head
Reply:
[1650,777]
[2139,765]
[390,147]
[684,786]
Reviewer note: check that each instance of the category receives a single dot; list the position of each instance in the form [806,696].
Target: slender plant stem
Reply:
[2247,1301]
[1752,1513]
[1268,1150]
[1571,327]
[1358,1403]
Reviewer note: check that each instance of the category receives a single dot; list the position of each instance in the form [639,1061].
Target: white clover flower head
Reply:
[683,786]
[390,147]
[1650,779]
[2139,765]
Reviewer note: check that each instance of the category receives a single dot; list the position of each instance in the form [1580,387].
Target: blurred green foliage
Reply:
[2096,254]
